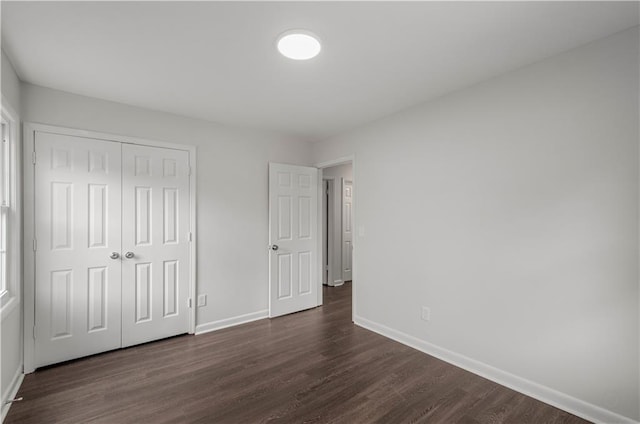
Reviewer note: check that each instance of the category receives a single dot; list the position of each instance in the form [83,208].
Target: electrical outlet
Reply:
[426,313]
[202,300]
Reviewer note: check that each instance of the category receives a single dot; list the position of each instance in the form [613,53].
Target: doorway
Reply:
[337,217]
[298,251]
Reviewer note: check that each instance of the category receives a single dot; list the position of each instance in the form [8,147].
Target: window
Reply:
[9,218]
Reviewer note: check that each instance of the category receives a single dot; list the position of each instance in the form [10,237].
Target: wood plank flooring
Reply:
[310,367]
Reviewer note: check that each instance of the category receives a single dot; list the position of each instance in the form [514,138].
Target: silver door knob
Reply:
[114,255]
[129,255]
[274,247]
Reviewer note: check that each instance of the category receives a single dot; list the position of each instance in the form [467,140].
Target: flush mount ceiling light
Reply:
[298,44]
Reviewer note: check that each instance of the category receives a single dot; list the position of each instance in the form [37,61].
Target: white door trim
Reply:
[354,268]
[29,129]
[330,231]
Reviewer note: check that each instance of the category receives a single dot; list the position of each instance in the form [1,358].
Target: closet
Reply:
[112,254]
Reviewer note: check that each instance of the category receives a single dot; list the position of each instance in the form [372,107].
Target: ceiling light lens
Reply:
[299,45]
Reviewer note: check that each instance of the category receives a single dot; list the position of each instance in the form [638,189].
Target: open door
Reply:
[347,230]
[293,238]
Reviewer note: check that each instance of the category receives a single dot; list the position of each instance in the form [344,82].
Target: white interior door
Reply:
[347,230]
[293,227]
[155,243]
[77,228]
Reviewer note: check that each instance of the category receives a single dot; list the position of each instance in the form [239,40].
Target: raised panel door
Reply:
[77,227]
[155,210]
[347,230]
[293,199]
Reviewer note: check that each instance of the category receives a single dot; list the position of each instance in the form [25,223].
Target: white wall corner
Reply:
[537,391]
[231,322]
[11,392]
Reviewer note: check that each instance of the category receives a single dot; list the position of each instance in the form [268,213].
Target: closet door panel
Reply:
[156,235]
[77,227]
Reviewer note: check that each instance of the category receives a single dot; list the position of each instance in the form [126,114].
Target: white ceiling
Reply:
[217,60]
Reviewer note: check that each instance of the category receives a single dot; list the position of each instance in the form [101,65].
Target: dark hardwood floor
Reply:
[310,367]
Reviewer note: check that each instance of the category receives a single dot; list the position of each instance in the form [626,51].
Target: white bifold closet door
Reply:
[155,233]
[78,227]
[95,201]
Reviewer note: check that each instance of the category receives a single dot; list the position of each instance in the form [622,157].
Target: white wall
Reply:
[510,208]
[11,325]
[10,84]
[337,172]
[232,177]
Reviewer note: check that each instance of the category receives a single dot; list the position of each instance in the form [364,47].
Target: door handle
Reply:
[114,255]
[129,255]
[274,247]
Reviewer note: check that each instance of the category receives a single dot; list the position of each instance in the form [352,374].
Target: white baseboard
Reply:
[230,322]
[545,394]
[337,283]
[11,393]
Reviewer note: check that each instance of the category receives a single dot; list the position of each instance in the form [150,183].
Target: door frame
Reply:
[28,154]
[330,230]
[343,160]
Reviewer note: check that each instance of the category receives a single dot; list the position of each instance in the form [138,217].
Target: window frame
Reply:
[10,297]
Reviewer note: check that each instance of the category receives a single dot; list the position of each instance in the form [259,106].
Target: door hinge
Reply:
[189,170]
[33,157]
[190,303]
[34,332]
[190,236]
[35,245]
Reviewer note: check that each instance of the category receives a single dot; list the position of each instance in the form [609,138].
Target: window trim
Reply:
[10,298]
